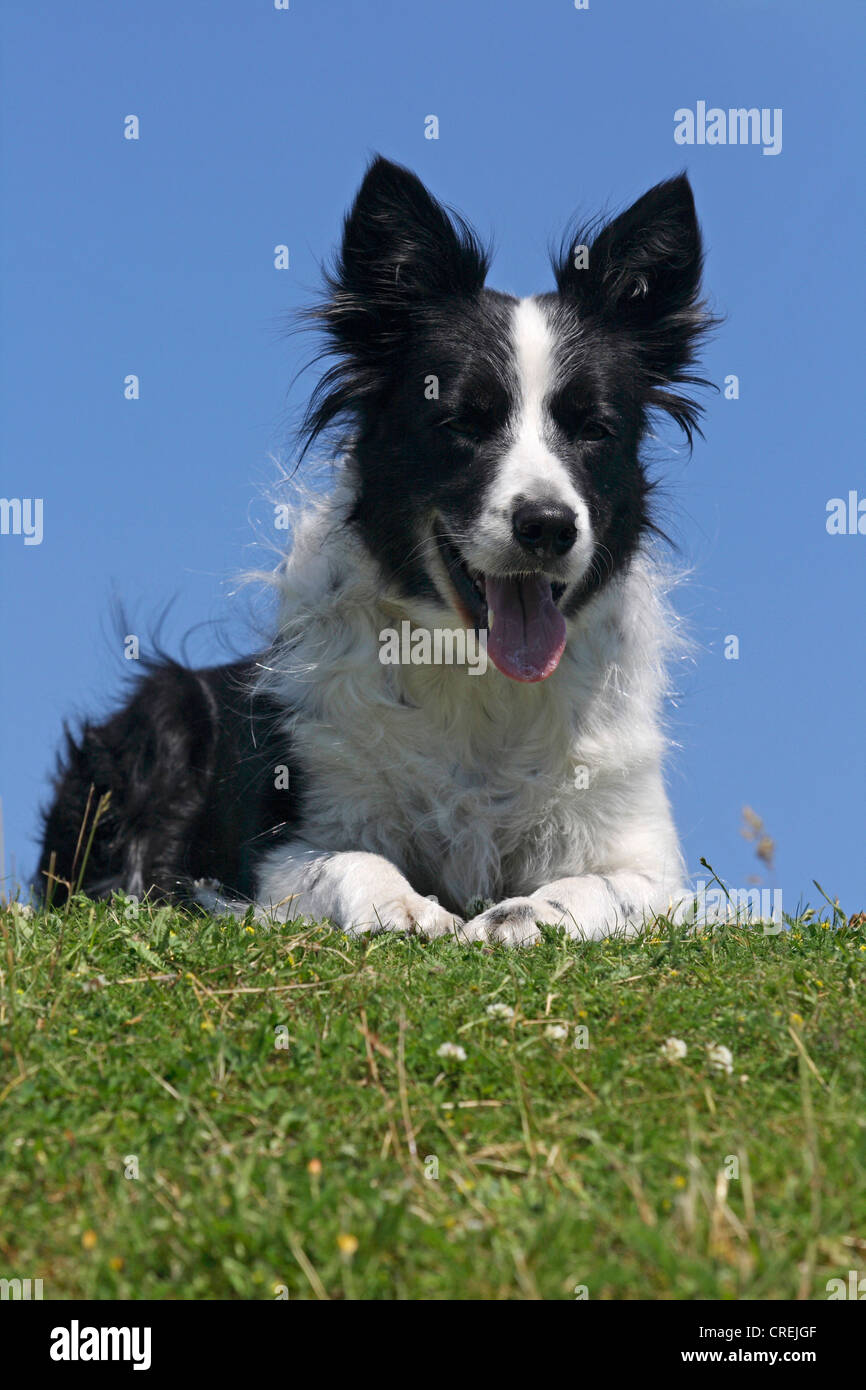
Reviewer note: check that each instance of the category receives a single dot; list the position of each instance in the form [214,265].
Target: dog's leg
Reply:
[589,906]
[358,892]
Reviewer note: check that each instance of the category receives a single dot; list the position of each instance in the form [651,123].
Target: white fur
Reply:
[424,780]
[530,470]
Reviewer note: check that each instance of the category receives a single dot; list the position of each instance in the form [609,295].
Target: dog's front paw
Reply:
[433,921]
[514,922]
[408,913]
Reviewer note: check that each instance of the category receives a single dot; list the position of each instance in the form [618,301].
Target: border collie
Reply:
[490,484]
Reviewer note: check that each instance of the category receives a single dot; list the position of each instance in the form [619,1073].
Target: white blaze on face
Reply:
[530,471]
[526,629]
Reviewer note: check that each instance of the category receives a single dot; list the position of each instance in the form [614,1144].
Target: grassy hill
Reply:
[193,1108]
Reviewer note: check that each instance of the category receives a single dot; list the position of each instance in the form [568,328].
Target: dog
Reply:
[490,485]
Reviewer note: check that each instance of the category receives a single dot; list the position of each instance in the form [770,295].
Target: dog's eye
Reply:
[593,430]
[579,424]
[462,430]
[477,414]
[471,424]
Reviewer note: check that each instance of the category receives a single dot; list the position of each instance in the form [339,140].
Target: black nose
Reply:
[544,528]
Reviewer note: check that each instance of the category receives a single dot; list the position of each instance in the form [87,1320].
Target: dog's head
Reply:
[496,440]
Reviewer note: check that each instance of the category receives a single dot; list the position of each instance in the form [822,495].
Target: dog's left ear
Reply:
[641,276]
[643,272]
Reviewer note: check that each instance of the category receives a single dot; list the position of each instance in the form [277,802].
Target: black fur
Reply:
[190,763]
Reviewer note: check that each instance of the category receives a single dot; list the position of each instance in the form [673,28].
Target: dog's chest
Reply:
[464,792]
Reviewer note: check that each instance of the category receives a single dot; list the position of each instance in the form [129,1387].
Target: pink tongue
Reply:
[526,631]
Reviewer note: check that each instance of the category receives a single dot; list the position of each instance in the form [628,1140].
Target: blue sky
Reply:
[155,257]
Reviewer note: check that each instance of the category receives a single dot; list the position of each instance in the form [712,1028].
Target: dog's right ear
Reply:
[400,248]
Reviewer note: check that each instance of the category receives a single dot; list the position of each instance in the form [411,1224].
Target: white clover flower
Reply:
[673,1049]
[556,1032]
[452,1050]
[499,1011]
[720,1058]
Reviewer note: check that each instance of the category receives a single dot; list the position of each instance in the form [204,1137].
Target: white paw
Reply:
[513,922]
[409,913]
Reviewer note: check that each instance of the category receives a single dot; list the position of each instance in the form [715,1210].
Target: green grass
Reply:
[158,1035]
